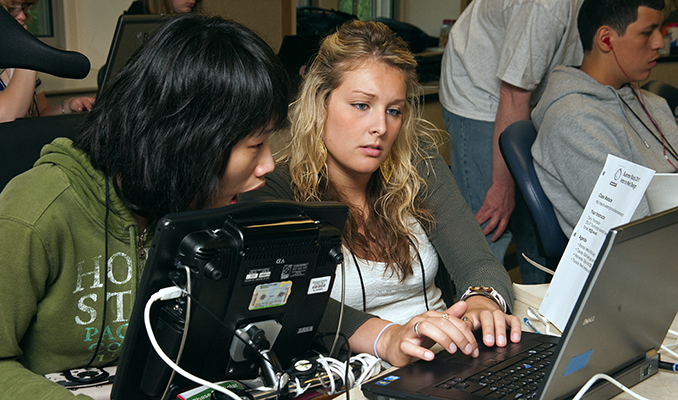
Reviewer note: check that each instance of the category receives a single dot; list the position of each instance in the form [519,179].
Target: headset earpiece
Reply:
[606,40]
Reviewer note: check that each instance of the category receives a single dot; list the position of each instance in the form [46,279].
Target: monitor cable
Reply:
[370,364]
[184,335]
[341,308]
[171,293]
[103,314]
[283,376]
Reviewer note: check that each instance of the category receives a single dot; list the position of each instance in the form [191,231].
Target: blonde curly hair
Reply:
[385,234]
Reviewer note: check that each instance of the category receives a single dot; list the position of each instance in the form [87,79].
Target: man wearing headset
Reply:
[494,69]
[589,112]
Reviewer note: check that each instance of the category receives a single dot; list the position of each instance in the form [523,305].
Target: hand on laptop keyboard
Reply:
[484,313]
[452,329]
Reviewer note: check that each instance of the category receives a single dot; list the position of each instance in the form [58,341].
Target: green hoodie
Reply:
[52,272]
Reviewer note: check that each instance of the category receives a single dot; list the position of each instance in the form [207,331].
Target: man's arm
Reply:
[514,105]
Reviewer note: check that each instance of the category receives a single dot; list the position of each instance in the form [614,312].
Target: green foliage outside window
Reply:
[39,21]
[361,8]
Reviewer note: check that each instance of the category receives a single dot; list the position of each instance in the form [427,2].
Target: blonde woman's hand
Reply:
[484,313]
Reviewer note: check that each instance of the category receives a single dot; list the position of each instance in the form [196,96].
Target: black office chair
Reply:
[668,92]
[21,141]
[20,49]
[515,144]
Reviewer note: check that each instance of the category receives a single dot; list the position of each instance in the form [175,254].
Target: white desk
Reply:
[664,385]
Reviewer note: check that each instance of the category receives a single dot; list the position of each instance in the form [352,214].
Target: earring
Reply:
[386,168]
[323,157]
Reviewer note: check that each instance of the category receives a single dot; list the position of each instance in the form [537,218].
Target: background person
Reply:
[494,69]
[21,91]
[139,7]
[357,136]
[589,112]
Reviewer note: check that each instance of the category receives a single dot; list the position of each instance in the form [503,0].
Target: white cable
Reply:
[323,363]
[534,314]
[370,367]
[595,377]
[168,294]
[299,391]
[537,265]
[674,344]
[339,369]
[341,309]
[666,349]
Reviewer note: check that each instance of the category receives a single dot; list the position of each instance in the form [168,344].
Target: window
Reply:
[40,22]
[367,9]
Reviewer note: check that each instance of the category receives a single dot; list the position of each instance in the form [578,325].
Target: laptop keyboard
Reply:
[515,377]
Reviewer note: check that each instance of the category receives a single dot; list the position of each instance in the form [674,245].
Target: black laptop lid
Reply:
[130,33]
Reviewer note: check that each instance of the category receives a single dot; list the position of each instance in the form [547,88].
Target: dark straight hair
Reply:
[165,126]
[617,14]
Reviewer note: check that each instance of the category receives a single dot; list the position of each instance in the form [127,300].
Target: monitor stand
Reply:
[252,343]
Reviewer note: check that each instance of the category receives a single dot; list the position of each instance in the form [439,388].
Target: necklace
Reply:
[666,145]
[362,283]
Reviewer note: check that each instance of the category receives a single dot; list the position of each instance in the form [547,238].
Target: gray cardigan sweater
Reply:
[456,236]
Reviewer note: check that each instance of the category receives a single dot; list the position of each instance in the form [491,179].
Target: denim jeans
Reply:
[471,164]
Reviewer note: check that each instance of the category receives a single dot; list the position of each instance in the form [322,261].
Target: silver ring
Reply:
[445,316]
[415,328]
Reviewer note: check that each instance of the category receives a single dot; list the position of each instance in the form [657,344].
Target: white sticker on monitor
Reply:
[291,271]
[269,295]
[319,285]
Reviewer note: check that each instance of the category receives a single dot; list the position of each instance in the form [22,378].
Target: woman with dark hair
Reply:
[184,125]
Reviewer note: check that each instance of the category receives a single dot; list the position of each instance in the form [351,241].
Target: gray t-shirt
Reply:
[515,41]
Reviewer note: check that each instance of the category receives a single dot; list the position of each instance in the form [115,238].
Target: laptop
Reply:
[130,33]
[617,326]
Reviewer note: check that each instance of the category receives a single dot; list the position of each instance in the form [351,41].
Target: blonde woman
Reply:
[21,91]
[357,137]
